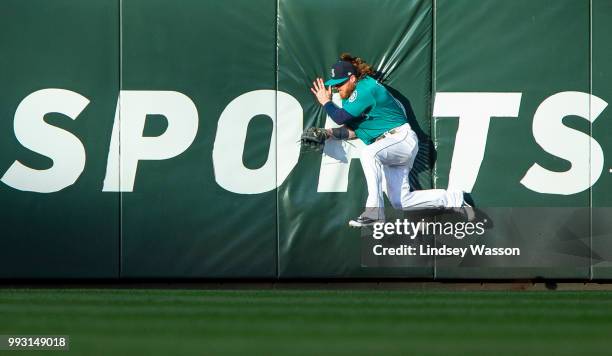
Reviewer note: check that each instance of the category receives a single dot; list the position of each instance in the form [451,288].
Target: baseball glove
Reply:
[313,139]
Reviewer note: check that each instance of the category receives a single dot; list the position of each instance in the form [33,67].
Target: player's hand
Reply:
[323,94]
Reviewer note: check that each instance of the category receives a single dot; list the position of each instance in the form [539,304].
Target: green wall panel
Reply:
[314,237]
[602,132]
[68,45]
[242,71]
[177,221]
[537,48]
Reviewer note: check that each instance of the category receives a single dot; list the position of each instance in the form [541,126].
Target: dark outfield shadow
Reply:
[427,155]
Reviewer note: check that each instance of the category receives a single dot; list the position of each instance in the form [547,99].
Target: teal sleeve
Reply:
[362,101]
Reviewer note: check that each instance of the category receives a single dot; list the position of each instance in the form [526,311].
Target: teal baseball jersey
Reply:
[375,109]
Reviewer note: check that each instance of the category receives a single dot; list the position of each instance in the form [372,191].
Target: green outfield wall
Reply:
[157,139]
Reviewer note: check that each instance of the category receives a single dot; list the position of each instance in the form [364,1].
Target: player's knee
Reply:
[396,203]
[395,198]
[406,200]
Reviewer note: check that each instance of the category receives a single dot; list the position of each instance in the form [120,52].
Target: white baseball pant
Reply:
[386,164]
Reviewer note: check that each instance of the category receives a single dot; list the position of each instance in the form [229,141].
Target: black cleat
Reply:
[363,221]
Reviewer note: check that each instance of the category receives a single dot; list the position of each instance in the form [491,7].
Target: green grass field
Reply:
[266,322]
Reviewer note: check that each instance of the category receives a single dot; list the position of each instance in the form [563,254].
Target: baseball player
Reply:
[370,113]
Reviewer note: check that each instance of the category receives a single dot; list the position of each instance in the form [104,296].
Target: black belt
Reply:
[390,132]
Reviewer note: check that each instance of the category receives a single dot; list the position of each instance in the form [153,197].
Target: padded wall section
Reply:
[199,214]
[59,68]
[323,193]
[602,133]
[540,50]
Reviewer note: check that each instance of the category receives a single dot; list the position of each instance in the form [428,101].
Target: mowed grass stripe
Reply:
[563,312]
[305,322]
[304,297]
[289,327]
